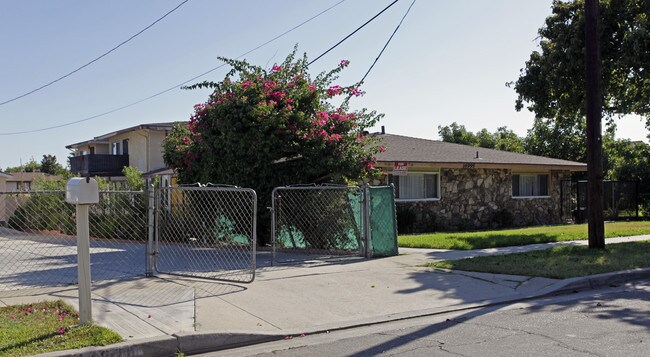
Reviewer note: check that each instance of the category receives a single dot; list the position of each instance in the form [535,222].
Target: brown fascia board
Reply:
[87,142]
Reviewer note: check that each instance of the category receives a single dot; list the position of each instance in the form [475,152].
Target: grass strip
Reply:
[46,327]
[558,262]
[516,237]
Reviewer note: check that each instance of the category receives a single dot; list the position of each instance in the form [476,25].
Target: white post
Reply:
[83,264]
[82,193]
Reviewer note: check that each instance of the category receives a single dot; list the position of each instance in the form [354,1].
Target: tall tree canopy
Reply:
[552,83]
[50,166]
[502,139]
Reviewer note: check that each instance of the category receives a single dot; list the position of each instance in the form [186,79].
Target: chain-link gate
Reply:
[38,238]
[382,221]
[316,222]
[206,232]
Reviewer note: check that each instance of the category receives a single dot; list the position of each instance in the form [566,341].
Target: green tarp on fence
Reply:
[383,224]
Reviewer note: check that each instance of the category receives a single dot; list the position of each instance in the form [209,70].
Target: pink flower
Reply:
[246,84]
[60,331]
[335,137]
[270,85]
[356,92]
[186,140]
[278,95]
[334,90]
[277,68]
[311,87]
[344,63]
[382,148]
[323,117]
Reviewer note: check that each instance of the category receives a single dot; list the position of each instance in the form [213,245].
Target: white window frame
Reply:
[437,173]
[548,185]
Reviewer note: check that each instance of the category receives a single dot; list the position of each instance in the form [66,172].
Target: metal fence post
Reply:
[366,221]
[273,213]
[150,229]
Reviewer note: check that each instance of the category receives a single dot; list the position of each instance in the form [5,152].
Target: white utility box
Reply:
[83,191]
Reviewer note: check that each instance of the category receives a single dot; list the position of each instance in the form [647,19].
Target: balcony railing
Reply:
[99,165]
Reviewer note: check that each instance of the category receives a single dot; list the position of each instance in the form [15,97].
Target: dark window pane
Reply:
[515,185]
[543,185]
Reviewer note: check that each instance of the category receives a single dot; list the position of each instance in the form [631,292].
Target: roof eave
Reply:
[483,164]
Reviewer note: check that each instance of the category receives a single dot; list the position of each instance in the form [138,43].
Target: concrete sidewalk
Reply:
[290,300]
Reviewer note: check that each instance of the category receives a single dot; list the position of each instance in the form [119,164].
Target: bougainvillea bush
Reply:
[266,128]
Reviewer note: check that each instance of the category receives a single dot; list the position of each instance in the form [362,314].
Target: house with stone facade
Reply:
[446,186]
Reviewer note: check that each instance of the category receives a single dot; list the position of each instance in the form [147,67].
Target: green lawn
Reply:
[559,262]
[46,327]
[513,237]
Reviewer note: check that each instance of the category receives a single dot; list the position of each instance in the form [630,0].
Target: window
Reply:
[125,147]
[529,185]
[416,186]
[115,149]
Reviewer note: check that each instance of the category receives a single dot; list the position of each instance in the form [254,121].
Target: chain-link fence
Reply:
[206,232]
[38,238]
[317,222]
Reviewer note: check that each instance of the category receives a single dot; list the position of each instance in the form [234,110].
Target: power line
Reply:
[175,86]
[353,32]
[94,60]
[387,42]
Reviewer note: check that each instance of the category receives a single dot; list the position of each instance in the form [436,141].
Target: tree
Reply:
[262,129]
[628,160]
[50,166]
[552,82]
[133,177]
[455,133]
[31,166]
[503,139]
[507,140]
[560,139]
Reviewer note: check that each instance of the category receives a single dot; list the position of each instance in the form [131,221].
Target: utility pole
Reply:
[594,128]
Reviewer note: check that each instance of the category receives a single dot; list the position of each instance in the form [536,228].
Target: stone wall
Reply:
[482,198]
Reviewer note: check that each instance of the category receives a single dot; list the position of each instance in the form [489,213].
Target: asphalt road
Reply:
[611,322]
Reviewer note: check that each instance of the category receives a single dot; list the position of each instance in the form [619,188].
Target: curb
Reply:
[155,346]
[598,281]
[189,343]
[202,342]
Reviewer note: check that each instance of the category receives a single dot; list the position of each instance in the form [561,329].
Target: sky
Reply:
[448,62]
